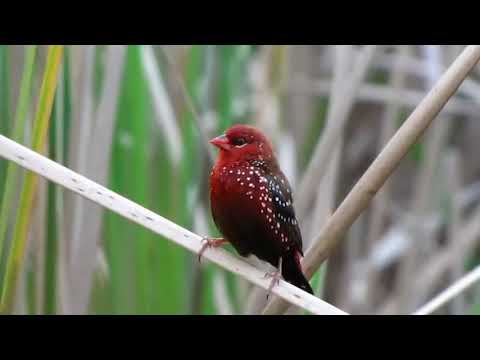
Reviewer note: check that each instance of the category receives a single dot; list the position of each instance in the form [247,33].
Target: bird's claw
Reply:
[208,243]
[276,276]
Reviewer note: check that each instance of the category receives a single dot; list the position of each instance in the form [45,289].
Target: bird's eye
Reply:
[239,141]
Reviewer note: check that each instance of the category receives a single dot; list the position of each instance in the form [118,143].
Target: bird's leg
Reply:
[276,276]
[210,242]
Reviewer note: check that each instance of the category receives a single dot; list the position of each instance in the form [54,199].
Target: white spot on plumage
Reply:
[248,178]
[251,185]
[278,225]
[263,204]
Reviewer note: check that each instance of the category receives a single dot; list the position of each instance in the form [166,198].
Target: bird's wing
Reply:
[282,200]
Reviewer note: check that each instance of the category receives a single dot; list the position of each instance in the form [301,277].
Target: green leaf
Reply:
[23,220]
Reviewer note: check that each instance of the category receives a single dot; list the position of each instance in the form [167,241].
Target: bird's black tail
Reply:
[292,271]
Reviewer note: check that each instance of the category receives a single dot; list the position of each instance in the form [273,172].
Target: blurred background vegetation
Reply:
[136,119]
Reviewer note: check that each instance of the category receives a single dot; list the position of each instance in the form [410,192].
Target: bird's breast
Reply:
[244,211]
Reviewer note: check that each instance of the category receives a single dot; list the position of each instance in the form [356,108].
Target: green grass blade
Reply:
[17,135]
[5,89]
[126,242]
[64,139]
[53,213]
[22,225]
[5,112]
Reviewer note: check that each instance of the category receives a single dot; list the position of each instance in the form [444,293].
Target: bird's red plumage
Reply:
[252,204]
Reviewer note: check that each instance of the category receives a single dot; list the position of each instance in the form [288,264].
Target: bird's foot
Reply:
[275,276]
[209,243]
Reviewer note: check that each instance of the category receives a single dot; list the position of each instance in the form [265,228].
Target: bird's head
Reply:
[243,143]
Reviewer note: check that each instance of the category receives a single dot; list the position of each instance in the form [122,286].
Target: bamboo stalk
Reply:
[128,209]
[387,161]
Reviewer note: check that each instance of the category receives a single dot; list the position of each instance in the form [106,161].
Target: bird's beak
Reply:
[221,142]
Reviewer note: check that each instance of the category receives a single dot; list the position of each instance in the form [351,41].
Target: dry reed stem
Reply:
[387,161]
[79,159]
[453,174]
[80,185]
[89,217]
[336,121]
[414,66]
[422,199]
[378,94]
[388,127]
[451,292]
[202,129]
[434,269]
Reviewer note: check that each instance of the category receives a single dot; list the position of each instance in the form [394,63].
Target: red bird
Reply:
[252,205]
